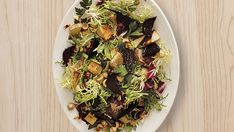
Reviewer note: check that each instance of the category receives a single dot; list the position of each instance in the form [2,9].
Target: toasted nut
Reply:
[120,79]
[95,68]
[100,78]
[81,49]
[104,123]
[139,56]
[75,29]
[105,74]
[128,45]
[126,40]
[104,83]
[113,129]
[71,106]
[76,49]
[104,31]
[85,26]
[99,126]
[133,122]
[77,117]
[88,45]
[116,124]
[124,119]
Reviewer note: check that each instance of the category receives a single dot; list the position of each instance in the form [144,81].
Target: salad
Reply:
[115,65]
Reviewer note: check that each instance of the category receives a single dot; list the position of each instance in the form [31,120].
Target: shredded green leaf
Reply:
[90,92]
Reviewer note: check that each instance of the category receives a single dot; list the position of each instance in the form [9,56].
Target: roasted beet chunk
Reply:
[94,44]
[161,87]
[128,110]
[128,56]
[147,26]
[114,107]
[67,54]
[151,50]
[149,84]
[102,116]
[122,22]
[112,84]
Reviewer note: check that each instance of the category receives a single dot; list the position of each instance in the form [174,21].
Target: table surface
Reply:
[204,30]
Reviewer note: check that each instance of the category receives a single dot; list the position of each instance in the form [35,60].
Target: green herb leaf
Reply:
[79,11]
[85,4]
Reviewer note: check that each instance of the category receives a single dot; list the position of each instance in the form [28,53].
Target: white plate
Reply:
[156,118]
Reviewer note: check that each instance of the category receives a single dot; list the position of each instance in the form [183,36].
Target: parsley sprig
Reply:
[85,4]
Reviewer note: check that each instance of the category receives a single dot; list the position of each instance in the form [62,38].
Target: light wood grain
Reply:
[204,30]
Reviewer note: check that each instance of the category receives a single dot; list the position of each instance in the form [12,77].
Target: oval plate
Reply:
[155,119]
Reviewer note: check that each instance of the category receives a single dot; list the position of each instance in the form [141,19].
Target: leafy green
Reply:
[82,72]
[123,6]
[130,8]
[85,4]
[67,80]
[121,70]
[97,15]
[92,90]
[105,50]
[153,101]
[137,32]
[133,95]
[142,13]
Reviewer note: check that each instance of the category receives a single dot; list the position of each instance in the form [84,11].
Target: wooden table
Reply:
[204,30]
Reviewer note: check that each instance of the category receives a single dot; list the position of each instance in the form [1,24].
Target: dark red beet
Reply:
[128,57]
[128,110]
[147,26]
[122,22]
[111,112]
[67,54]
[150,72]
[161,87]
[149,84]
[120,28]
[112,84]
[93,46]
[151,50]
[102,116]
